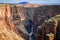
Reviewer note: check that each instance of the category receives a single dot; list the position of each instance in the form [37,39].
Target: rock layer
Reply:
[8,30]
[15,19]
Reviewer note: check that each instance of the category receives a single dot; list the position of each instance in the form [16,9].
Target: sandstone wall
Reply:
[18,16]
[8,30]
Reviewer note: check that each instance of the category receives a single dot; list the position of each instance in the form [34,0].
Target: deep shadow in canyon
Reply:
[30,21]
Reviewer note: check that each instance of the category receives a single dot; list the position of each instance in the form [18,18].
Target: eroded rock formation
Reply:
[8,30]
[18,21]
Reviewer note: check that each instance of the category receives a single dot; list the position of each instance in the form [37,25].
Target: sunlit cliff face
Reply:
[7,34]
[22,19]
[8,31]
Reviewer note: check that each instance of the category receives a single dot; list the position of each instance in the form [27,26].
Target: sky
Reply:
[32,1]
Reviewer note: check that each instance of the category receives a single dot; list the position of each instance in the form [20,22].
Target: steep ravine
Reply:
[17,22]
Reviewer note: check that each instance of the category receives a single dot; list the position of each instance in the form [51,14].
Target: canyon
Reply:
[28,22]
